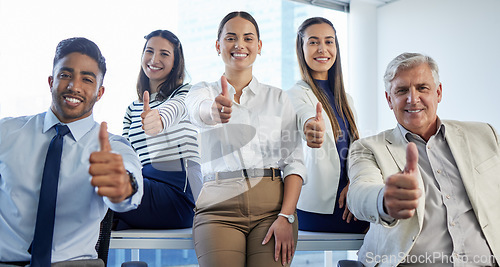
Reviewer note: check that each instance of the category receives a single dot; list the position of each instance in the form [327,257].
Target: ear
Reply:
[389,100]
[51,82]
[260,46]
[100,93]
[439,92]
[217,47]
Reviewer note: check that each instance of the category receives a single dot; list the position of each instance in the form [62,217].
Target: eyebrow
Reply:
[246,34]
[314,37]
[163,50]
[90,73]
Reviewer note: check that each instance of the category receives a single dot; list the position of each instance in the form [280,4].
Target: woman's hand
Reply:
[221,109]
[283,237]
[347,216]
[151,120]
[314,129]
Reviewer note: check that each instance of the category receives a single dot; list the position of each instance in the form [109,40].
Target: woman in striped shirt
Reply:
[165,141]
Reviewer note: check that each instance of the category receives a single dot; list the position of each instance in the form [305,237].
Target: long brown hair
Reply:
[335,81]
[176,76]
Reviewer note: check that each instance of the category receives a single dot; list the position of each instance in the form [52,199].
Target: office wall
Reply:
[462,36]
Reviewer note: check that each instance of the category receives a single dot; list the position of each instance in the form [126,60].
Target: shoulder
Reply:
[182,90]
[299,86]
[9,123]
[135,105]
[117,140]
[465,124]
[381,138]
[272,92]
[472,129]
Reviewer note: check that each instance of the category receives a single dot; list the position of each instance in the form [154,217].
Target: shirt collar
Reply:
[441,129]
[253,86]
[77,128]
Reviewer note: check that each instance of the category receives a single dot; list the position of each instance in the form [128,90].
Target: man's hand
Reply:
[401,189]
[314,129]
[221,109]
[108,172]
[151,120]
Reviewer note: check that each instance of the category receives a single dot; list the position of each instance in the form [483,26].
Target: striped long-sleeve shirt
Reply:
[178,139]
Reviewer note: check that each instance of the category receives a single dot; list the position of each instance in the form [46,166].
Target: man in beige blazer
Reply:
[430,188]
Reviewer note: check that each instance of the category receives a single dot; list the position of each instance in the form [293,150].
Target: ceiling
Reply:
[342,5]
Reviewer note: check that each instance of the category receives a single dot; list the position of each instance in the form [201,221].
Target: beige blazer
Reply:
[323,164]
[476,149]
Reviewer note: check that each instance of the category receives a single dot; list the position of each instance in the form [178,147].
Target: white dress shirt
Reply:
[261,133]
[79,209]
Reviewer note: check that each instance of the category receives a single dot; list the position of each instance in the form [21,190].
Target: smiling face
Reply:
[319,49]
[75,85]
[157,61]
[238,44]
[414,97]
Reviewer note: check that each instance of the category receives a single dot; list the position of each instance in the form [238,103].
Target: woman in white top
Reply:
[252,159]
[326,120]
[158,128]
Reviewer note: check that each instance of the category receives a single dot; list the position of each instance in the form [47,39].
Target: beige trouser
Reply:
[231,220]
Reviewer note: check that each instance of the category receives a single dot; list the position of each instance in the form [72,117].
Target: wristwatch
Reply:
[133,183]
[290,218]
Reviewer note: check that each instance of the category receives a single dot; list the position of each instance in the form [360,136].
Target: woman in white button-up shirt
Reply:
[245,211]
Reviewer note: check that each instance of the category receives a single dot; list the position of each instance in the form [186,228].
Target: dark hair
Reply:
[83,46]
[335,81]
[176,76]
[234,14]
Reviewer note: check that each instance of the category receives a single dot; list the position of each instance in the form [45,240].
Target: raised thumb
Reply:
[411,158]
[145,100]
[103,137]
[223,83]
[319,115]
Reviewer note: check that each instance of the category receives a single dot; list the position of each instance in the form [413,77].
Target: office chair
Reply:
[102,246]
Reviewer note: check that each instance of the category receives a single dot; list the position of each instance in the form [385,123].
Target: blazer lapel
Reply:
[397,148]
[459,145]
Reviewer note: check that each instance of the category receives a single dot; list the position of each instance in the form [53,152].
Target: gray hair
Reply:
[407,61]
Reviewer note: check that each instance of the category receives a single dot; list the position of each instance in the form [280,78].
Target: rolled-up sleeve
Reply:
[198,102]
[291,143]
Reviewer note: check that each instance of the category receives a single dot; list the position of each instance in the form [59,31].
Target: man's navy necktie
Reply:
[41,248]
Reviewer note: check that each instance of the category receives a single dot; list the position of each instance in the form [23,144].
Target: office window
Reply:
[31,29]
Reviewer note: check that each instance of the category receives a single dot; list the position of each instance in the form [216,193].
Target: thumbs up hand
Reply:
[151,120]
[401,190]
[221,109]
[314,129]
[107,170]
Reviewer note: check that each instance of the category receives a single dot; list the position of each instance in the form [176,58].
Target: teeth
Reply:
[322,58]
[72,100]
[154,68]
[239,55]
[414,111]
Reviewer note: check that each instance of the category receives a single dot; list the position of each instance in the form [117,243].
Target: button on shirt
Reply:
[79,209]
[260,134]
[450,233]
